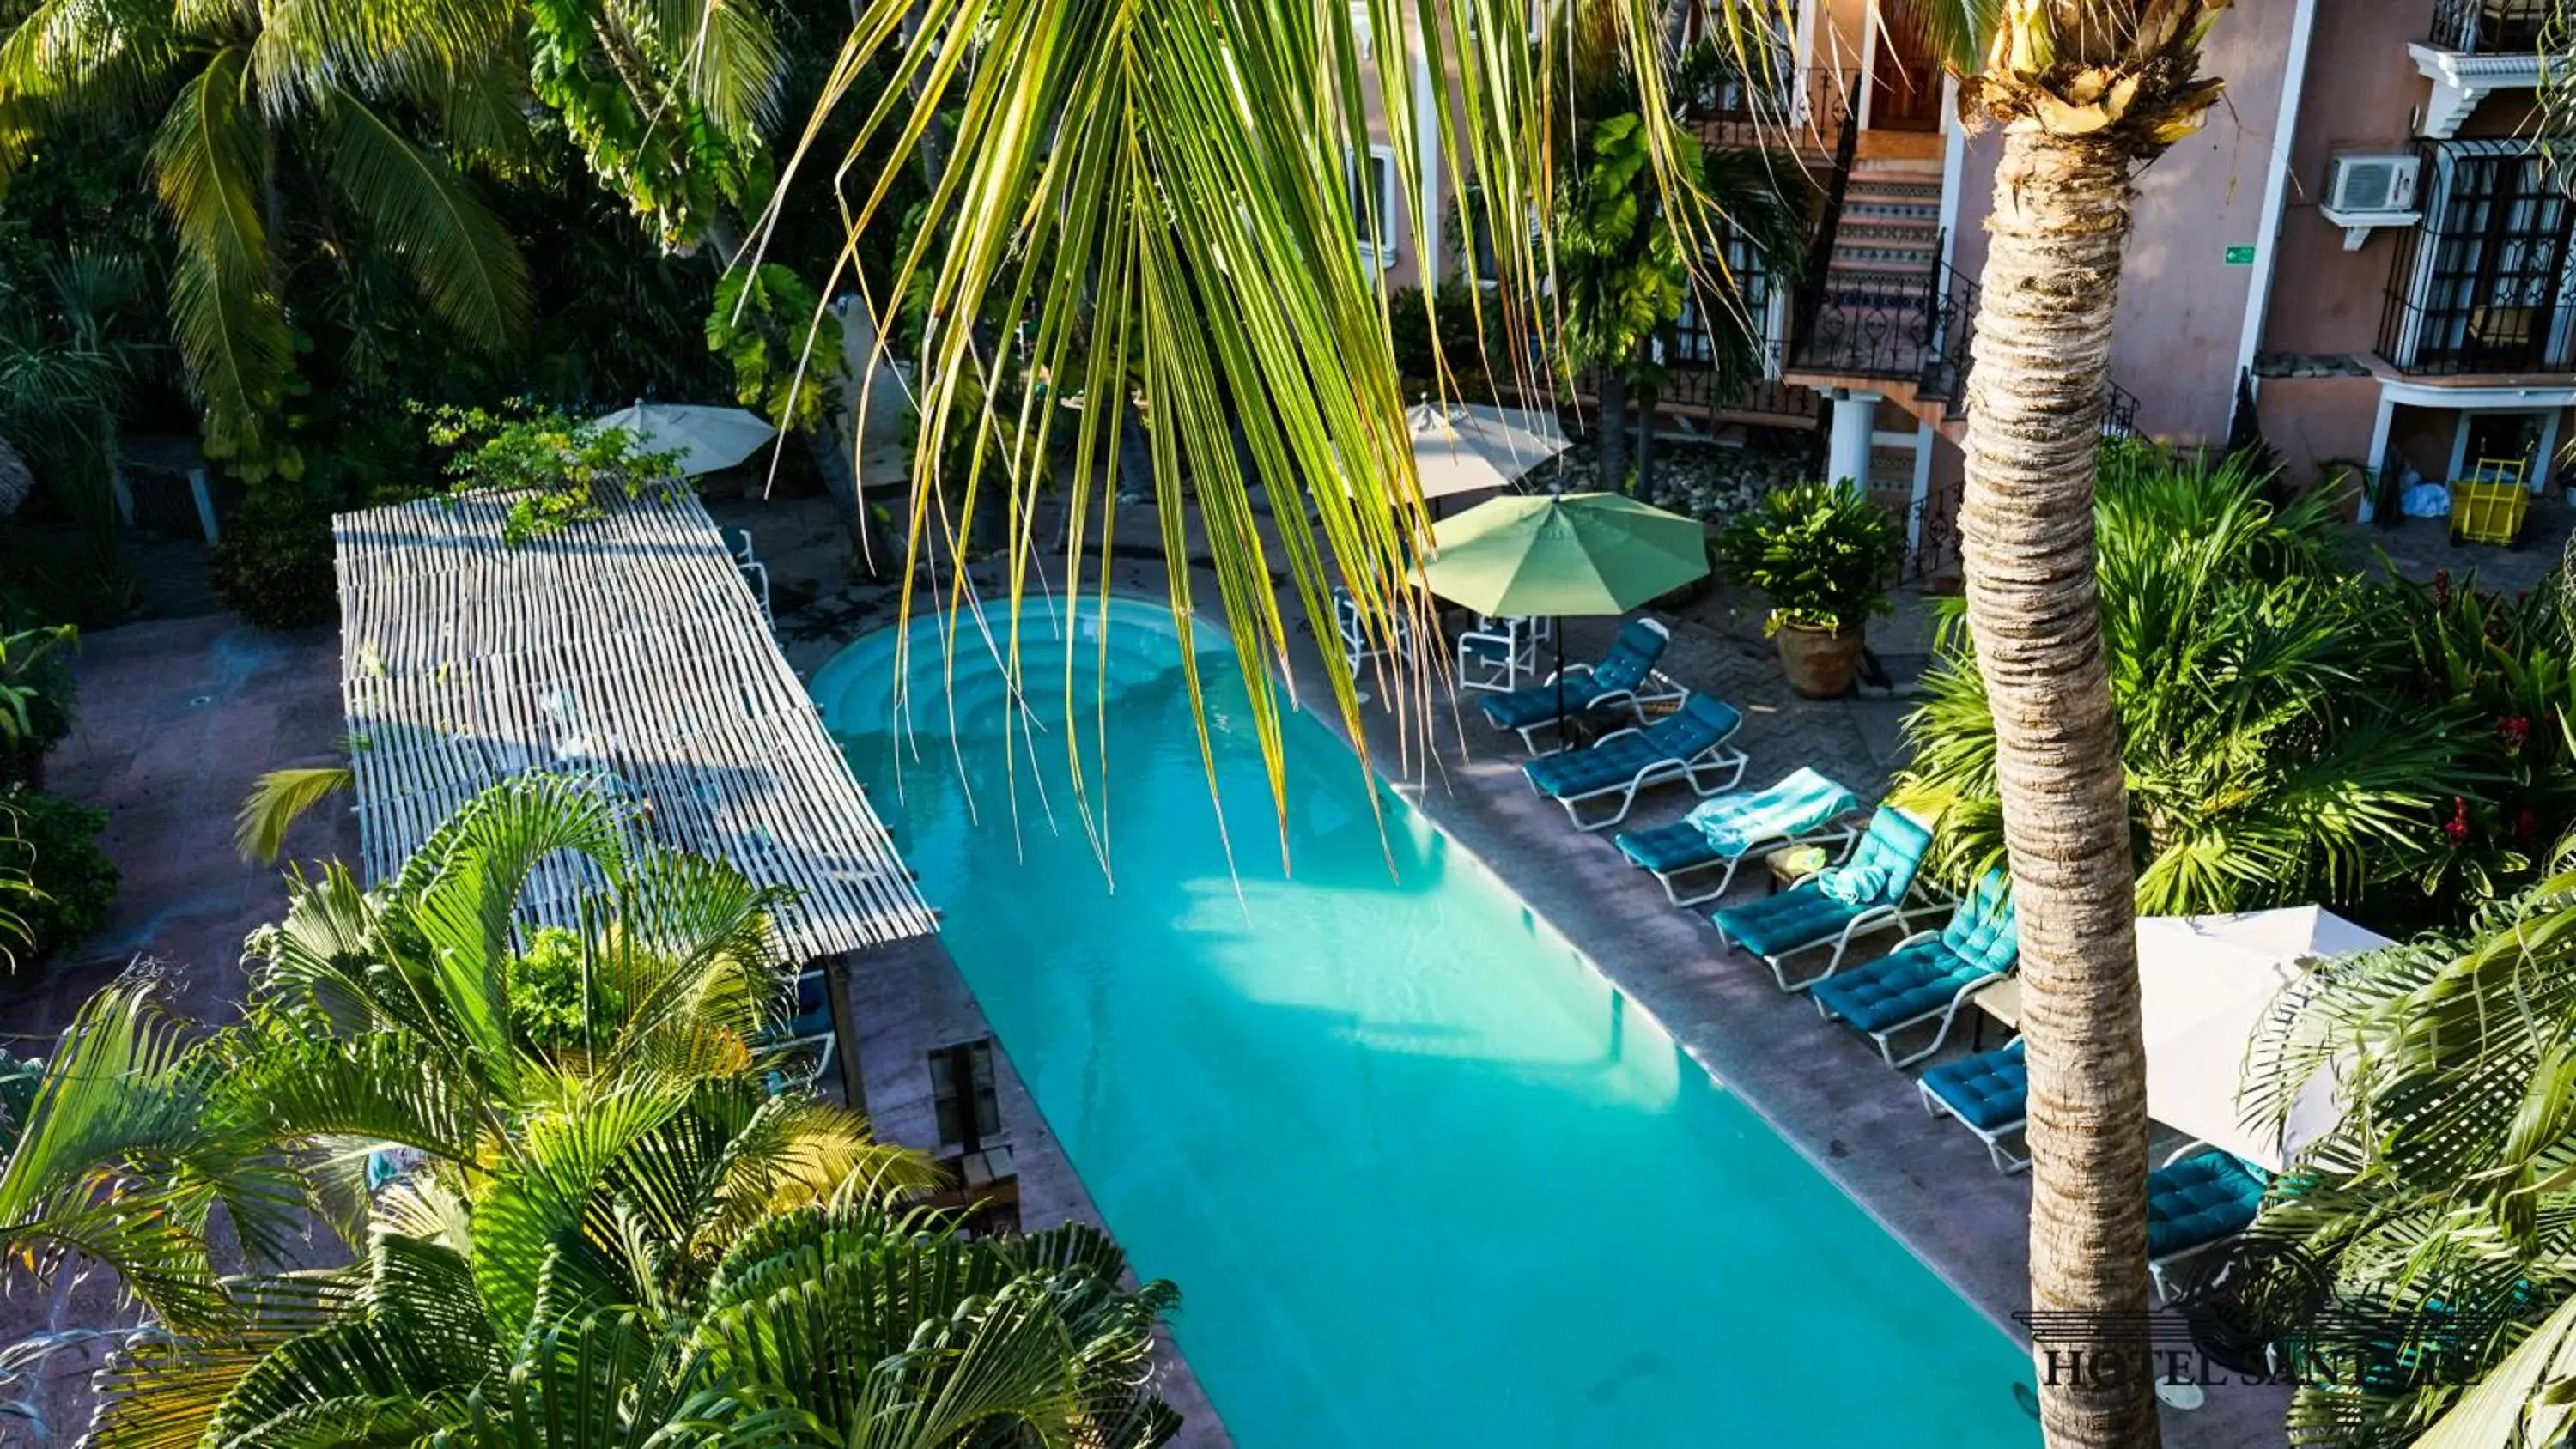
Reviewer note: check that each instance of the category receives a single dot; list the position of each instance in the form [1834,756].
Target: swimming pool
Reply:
[1423,1177]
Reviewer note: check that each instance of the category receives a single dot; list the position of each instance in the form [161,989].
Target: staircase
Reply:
[1880,314]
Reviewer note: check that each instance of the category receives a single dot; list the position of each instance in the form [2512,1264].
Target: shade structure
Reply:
[1563,554]
[706,438]
[2205,985]
[1470,449]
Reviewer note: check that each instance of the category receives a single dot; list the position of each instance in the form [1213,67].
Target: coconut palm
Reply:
[245,102]
[1191,213]
[2439,1214]
[2267,760]
[2084,92]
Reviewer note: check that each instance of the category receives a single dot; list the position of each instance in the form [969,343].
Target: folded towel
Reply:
[1796,805]
[1851,885]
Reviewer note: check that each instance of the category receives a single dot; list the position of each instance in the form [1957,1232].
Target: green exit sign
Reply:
[2240,256]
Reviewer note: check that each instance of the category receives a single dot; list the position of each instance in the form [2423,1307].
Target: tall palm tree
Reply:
[2084,92]
[243,102]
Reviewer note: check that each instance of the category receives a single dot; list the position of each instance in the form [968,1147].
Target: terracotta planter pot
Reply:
[1820,663]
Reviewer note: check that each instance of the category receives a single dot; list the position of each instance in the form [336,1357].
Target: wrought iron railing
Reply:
[1819,278]
[2491,27]
[1803,111]
[2120,412]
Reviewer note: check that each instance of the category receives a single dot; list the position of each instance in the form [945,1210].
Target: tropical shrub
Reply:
[1457,311]
[37,691]
[1822,553]
[561,470]
[786,352]
[273,564]
[2498,670]
[2270,757]
[2428,1243]
[51,844]
[600,1232]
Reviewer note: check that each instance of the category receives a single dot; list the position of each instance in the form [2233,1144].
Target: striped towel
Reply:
[1798,804]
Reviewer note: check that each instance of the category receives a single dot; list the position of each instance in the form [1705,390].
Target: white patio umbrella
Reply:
[706,438]
[2206,984]
[1468,449]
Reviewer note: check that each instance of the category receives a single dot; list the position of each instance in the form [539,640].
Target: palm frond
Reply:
[206,162]
[277,801]
[422,211]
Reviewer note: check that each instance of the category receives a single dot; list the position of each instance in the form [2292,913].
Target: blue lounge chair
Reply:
[1721,834]
[1625,678]
[1804,916]
[2200,1198]
[1990,1095]
[1930,976]
[1688,744]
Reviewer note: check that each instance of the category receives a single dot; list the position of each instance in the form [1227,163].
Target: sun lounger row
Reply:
[2200,1198]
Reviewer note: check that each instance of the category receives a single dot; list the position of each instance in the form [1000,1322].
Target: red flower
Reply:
[2514,729]
[2457,827]
[2441,588]
[2524,827]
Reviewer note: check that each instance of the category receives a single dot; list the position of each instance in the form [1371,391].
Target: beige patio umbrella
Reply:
[1460,448]
[706,438]
[2205,985]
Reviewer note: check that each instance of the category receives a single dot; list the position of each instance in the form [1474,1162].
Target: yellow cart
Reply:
[2490,505]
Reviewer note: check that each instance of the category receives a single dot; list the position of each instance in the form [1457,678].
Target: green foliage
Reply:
[1621,268]
[2277,745]
[555,1001]
[1822,552]
[273,565]
[562,470]
[1466,325]
[52,844]
[785,350]
[666,102]
[37,691]
[2497,671]
[2438,1212]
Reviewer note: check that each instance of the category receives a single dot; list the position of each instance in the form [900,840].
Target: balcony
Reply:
[2483,286]
[2476,48]
[2490,27]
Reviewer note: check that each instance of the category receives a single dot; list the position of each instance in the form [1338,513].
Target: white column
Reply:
[2378,458]
[1847,440]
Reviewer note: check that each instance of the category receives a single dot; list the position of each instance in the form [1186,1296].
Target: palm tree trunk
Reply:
[1613,428]
[2061,214]
[1646,442]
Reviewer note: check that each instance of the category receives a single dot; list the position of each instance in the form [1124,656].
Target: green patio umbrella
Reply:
[1558,555]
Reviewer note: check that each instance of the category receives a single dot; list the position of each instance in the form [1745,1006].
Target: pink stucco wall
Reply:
[2182,307]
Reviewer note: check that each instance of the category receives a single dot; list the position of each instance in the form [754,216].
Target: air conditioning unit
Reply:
[2372,183]
[2373,190]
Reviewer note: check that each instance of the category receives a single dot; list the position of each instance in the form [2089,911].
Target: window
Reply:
[1748,271]
[2482,286]
[961,1092]
[1373,202]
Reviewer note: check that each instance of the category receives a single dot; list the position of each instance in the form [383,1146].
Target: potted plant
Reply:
[1825,556]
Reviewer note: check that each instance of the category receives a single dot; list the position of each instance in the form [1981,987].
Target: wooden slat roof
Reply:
[629,645]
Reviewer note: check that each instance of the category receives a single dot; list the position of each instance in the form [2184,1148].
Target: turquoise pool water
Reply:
[1423,1177]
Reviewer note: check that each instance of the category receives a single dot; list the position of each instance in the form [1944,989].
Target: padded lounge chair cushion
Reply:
[2199,1200]
[1630,660]
[1982,931]
[1537,704]
[1990,1091]
[1799,916]
[1668,848]
[1899,987]
[1701,723]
